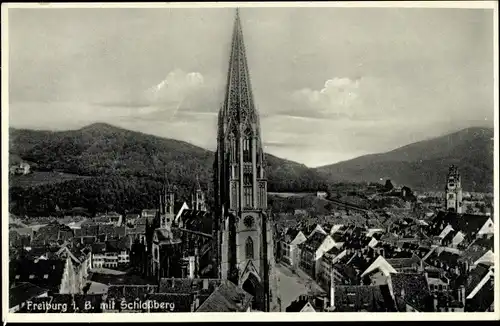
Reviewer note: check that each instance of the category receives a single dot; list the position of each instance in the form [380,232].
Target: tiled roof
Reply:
[475,276]
[355,298]
[449,258]
[472,254]
[467,223]
[349,275]
[398,263]
[487,243]
[52,232]
[297,305]
[44,273]
[23,292]
[483,299]
[314,241]
[415,289]
[291,234]
[227,298]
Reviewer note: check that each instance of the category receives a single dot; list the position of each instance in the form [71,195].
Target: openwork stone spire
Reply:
[238,107]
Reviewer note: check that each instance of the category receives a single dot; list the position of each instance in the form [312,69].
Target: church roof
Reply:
[197,221]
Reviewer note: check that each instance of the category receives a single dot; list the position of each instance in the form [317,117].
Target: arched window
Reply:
[249,248]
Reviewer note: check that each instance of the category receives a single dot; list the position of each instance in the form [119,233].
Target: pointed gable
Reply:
[381,264]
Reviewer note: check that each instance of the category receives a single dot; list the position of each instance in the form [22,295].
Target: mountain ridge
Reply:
[471,149]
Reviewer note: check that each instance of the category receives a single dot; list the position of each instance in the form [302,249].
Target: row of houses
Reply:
[409,274]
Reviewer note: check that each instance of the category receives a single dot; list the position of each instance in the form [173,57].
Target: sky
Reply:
[330,84]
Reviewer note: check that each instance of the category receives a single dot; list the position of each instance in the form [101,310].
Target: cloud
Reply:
[178,92]
[176,87]
[340,98]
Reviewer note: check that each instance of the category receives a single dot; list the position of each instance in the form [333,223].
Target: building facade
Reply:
[244,230]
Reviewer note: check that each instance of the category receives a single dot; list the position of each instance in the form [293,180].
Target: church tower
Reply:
[245,237]
[167,204]
[198,200]
[453,191]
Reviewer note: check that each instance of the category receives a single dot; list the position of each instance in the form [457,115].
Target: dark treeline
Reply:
[120,193]
[125,170]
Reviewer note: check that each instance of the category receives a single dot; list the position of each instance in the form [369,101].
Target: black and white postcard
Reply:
[210,161]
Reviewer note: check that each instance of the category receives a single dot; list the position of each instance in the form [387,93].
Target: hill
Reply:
[122,168]
[424,165]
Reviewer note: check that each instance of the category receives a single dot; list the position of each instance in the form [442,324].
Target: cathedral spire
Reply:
[239,105]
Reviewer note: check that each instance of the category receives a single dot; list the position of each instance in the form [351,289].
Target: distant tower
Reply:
[198,201]
[167,203]
[166,248]
[453,191]
[245,234]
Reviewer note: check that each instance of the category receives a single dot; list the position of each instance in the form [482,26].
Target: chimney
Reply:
[205,284]
[402,293]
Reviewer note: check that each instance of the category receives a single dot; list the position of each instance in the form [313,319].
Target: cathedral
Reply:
[231,239]
[243,236]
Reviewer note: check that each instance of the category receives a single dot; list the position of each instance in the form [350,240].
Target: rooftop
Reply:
[22,292]
[227,298]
